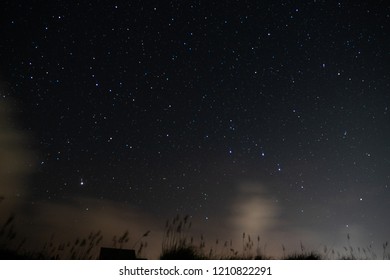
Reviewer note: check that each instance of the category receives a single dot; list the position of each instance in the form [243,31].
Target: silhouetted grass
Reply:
[177,244]
[304,256]
[85,248]
[10,247]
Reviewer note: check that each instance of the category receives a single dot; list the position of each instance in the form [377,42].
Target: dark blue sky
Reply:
[176,107]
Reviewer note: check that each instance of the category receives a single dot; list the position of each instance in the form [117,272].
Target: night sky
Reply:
[266,117]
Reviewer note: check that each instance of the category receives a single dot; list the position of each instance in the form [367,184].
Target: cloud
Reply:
[253,211]
[15,160]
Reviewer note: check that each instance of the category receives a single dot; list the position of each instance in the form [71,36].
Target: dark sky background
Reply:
[267,117]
